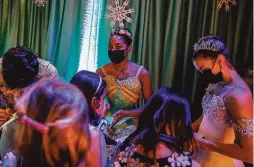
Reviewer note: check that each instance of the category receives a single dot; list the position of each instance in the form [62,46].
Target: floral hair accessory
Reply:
[122,32]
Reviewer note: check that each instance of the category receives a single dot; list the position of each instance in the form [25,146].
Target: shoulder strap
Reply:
[224,94]
[103,71]
[139,70]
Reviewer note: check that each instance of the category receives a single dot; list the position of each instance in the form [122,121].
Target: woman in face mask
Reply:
[94,89]
[225,131]
[126,81]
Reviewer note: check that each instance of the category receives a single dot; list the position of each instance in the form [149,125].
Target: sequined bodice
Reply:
[122,94]
[125,93]
[217,124]
[214,105]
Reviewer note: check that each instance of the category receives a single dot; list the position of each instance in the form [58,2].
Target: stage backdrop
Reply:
[164,32]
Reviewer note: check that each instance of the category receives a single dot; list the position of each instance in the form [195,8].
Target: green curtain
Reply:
[23,23]
[201,17]
[64,36]
[164,32]
[53,31]
[104,32]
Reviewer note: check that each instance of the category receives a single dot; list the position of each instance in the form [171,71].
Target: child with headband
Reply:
[52,126]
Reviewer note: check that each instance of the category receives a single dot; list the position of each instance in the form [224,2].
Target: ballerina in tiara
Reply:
[126,82]
[225,130]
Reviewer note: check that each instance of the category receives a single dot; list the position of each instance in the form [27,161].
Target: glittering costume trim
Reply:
[244,126]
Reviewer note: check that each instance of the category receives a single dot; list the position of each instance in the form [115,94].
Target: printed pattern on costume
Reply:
[130,157]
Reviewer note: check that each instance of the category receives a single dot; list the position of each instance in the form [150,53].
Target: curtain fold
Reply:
[90,35]
[23,23]
[53,31]
[103,34]
[64,36]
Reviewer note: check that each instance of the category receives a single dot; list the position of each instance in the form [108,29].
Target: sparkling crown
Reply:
[207,45]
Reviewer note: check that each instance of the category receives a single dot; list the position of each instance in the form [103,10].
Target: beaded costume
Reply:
[219,126]
[122,95]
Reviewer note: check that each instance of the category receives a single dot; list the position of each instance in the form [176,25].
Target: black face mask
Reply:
[116,56]
[212,78]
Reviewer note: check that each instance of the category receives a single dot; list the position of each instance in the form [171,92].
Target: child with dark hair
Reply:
[93,87]
[163,136]
[19,68]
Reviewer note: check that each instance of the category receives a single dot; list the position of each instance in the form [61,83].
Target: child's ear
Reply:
[94,103]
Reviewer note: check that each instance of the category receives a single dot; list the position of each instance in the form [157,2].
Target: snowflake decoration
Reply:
[119,13]
[41,3]
[227,7]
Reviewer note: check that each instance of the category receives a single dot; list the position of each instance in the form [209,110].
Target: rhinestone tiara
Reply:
[207,45]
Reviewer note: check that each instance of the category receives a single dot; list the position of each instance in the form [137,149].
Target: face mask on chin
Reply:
[212,78]
[116,56]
